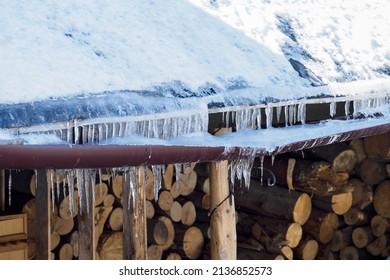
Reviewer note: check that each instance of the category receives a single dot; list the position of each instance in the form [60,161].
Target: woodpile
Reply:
[331,203]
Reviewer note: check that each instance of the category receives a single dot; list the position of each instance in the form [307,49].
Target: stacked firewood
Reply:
[349,187]
[177,220]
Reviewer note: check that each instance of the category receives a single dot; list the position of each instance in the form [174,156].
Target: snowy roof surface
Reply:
[88,59]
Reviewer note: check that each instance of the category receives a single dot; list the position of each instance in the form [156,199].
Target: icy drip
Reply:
[156,169]
[58,174]
[70,179]
[346,108]
[278,113]
[50,178]
[133,183]
[100,182]
[178,170]
[269,116]
[302,113]
[332,109]
[241,169]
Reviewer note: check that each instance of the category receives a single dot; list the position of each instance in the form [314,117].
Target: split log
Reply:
[168,176]
[275,202]
[372,172]
[176,189]
[111,246]
[188,168]
[74,241]
[62,226]
[353,253]
[380,225]
[356,217]
[108,200]
[54,240]
[189,182]
[376,247]
[101,216]
[362,194]
[65,252]
[341,239]
[101,191]
[154,252]
[190,241]
[171,232]
[362,236]
[339,155]
[173,256]
[377,147]
[307,249]
[322,225]
[337,203]
[188,213]
[358,146]
[115,220]
[65,210]
[149,209]
[165,200]
[280,231]
[147,182]
[117,186]
[382,199]
[157,232]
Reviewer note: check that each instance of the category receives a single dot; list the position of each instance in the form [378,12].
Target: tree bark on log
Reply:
[372,172]
[358,146]
[339,155]
[377,147]
[382,199]
[322,225]
[276,202]
[337,203]
[362,194]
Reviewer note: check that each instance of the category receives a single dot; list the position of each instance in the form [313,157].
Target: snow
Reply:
[54,49]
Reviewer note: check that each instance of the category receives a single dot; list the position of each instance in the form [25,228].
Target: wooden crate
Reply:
[14,251]
[13,228]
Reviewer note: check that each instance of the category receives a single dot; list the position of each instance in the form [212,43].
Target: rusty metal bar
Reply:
[99,156]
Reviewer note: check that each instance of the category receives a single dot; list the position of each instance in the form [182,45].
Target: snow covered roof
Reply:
[85,63]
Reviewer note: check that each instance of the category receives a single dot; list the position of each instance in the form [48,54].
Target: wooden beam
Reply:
[222,210]
[42,217]
[134,219]
[86,225]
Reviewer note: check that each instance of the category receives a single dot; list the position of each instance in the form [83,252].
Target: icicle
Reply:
[157,180]
[58,184]
[272,160]
[302,113]
[10,187]
[133,185]
[100,182]
[232,168]
[70,178]
[261,169]
[50,176]
[87,186]
[64,178]
[258,115]
[247,170]
[146,176]
[269,116]
[77,134]
[227,119]
[291,114]
[346,108]
[332,109]
[178,169]
[80,184]
[286,114]
[278,113]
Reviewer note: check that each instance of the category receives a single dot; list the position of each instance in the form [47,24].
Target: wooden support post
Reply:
[134,220]
[86,225]
[222,220]
[42,217]
[2,190]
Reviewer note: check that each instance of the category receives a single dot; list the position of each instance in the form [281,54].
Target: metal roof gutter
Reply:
[100,156]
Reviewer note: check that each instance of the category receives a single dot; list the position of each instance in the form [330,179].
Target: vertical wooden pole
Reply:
[222,210]
[42,217]
[134,220]
[2,190]
[87,250]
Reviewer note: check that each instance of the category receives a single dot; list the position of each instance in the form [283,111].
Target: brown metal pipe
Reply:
[99,156]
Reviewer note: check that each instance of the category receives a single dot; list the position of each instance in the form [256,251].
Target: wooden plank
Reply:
[14,251]
[13,228]
[86,225]
[134,221]
[42,217]
[222,220]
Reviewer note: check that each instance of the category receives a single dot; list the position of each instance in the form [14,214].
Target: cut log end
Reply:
[302,209]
